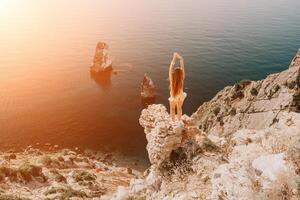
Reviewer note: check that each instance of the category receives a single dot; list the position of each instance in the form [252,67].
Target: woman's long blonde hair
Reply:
[176,82]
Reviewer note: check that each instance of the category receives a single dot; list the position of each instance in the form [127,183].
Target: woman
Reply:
[177,96]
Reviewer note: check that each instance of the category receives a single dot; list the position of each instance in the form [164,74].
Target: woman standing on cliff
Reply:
[177,96]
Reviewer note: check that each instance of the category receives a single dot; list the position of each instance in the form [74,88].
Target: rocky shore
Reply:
[62,174]
[243,144]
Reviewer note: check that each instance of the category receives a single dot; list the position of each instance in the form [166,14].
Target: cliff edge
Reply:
[243,144]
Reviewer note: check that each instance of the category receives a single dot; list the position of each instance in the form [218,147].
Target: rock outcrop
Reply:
[159,129]
[147,88]
[251,104]
[243,144]
[259,163]
[101,62]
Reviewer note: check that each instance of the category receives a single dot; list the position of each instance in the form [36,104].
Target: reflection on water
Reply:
[146,102]
[47,93]
[103,79]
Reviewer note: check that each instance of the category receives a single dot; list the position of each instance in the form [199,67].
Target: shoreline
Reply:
[63,174]
[119,158]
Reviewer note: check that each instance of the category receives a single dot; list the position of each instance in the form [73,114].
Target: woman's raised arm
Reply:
[172,65]
[181,63]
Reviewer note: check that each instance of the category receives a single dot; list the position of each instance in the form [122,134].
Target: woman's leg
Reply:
[172,110]
[179,109]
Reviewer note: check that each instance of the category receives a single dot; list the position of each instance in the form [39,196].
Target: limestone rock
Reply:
[270,166]
[147,88]
[101,62]
[172,149]
[251,104]
[153,179]
[257,162]
[296,60]
[162,134]
[233,169]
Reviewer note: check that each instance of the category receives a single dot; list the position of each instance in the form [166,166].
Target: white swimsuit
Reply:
[181,96]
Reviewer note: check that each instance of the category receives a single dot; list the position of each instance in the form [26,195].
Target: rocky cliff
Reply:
[251,104]
[243,144]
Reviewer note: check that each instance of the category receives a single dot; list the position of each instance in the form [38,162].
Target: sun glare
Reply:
[5,7]
[10,9]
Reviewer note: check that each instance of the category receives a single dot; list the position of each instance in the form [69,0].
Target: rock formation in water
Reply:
[101,62]
[147,88]
[243,144]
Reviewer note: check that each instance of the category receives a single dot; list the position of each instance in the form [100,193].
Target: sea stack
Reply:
[147,88]
[101,61]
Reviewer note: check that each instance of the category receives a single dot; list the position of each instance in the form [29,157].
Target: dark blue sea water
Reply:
[46,47]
